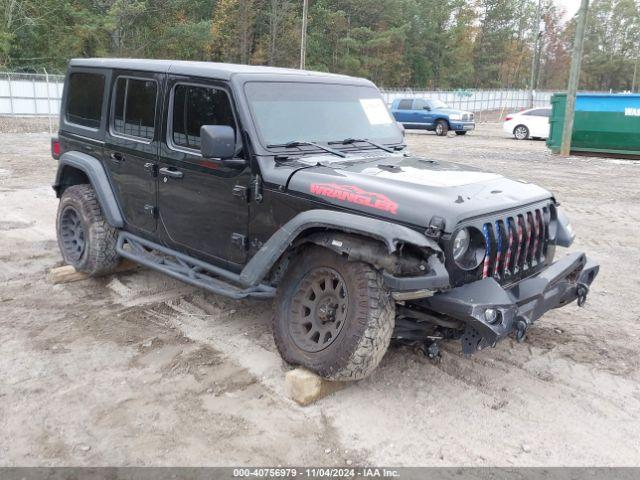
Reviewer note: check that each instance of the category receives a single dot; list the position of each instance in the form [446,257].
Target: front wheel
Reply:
[442,128]
[333,316]
[461,133]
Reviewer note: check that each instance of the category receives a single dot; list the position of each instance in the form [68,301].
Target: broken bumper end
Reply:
[491,311]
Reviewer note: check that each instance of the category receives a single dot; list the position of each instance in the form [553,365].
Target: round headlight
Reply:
[468,248]
[460,244]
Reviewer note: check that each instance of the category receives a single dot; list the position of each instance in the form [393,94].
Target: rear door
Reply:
[403,111]
[131,145]
[544,126]
[537,122]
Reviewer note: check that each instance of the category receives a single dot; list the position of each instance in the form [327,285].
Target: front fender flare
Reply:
[565,235]
[93,169]
[390,234]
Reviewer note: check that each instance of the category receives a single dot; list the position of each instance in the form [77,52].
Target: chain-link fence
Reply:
[38,95]
[488,105]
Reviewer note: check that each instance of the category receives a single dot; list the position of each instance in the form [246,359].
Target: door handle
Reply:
[171,172]
[117,157]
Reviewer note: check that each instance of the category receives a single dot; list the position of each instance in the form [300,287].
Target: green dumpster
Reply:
[603,123]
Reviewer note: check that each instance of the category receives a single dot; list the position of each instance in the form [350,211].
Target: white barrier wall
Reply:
[476,100]
[30,94]
[39,94]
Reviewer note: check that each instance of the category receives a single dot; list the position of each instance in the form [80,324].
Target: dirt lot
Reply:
[138,369]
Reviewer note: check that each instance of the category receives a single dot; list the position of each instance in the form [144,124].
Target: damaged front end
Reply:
[514,282]
[488,312]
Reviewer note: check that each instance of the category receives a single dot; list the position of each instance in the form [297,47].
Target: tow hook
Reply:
[521,330]
[582,292]
[430,349]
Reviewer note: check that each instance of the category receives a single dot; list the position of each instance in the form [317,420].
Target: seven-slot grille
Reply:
[516,244]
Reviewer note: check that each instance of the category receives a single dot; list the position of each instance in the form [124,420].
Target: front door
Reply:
[423,115]
[202,204]
[131,146]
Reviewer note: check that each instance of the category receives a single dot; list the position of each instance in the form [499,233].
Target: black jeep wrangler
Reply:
[264,182]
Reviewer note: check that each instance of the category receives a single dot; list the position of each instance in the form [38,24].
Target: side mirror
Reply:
[217,141]
[427,108]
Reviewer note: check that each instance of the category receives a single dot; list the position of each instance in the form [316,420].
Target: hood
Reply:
[411,190]
[450,111]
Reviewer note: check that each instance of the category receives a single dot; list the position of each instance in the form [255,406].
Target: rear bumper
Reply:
[515,307]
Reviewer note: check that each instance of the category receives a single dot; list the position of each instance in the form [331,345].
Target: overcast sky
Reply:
[571,6]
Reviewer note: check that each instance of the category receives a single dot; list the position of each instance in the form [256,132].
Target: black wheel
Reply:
[333,316]
[521,132]
[442,128]
[86,240]
[461,133]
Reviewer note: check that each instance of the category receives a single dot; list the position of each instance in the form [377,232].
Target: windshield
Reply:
[319,112]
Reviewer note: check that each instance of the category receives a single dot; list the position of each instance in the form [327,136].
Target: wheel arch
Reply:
[75,168]
[321,227]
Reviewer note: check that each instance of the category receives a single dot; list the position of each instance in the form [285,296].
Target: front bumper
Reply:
[515,307]
[460,126]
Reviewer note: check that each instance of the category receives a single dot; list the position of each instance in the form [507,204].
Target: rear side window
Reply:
[135,107]
[539,112]
[405,104]
[195,106]
[84,100]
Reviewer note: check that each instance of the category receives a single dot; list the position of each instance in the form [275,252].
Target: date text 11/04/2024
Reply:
[364,472]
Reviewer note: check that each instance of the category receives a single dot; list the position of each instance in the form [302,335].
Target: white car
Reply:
[532,123]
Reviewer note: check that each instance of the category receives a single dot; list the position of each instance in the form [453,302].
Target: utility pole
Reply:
[574,79]
[635,74]
[303,37]
[535,57]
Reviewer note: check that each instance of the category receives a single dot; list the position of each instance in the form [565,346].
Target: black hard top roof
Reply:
[223,71]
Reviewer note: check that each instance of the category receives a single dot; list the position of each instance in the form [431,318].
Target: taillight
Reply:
[508,117]
[55,148]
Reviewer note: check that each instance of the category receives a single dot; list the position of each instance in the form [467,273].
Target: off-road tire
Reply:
[369,320]
[98,255]
[521,132]
[442,128]
[461,132]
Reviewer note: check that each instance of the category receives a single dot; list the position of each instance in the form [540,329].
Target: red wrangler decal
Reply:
[353,194]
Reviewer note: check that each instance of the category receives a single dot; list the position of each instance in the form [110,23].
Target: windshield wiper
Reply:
[351,141]
[298,143]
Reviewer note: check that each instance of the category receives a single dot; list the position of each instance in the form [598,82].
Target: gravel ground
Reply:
[28,124]
[137,369]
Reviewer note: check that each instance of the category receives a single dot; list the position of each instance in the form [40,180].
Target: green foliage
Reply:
[612,44]
[448,44]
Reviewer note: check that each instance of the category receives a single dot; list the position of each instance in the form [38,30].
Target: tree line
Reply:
[443,44]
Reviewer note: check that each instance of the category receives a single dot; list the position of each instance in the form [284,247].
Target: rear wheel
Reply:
[86,240]
[521,132]
[442,128]
[333,316]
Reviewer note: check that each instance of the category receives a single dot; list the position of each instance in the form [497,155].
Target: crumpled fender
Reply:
[565,235]
[390,234]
